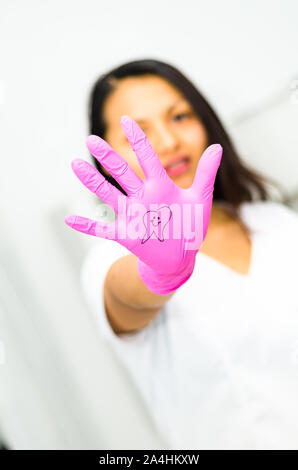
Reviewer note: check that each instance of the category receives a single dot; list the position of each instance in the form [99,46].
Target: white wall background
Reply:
[56,376]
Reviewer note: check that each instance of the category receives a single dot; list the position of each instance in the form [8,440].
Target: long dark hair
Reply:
[235,181]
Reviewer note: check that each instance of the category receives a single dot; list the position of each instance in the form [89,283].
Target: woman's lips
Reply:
[178,167]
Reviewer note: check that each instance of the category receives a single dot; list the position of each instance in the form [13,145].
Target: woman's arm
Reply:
[129,304]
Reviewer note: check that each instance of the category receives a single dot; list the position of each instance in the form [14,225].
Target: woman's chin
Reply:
[183,181]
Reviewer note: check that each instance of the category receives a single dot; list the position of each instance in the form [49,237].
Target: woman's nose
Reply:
[164,141]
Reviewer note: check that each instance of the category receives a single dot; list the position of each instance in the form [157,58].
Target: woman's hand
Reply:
[157,218]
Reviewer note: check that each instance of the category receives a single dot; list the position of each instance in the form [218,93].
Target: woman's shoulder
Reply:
[99,257]
[262,214]
[105,248]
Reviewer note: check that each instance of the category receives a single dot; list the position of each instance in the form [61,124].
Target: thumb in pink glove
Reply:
[166,258]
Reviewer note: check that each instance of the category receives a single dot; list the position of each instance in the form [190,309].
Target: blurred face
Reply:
[173,129]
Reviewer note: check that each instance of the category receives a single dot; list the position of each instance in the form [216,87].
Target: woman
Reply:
[211,347]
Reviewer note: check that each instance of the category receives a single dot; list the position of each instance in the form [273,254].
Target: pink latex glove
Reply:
[164,262]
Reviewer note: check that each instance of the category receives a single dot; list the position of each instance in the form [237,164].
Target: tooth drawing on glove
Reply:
[155,222]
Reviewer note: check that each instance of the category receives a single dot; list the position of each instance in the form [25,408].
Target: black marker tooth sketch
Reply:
[155,222]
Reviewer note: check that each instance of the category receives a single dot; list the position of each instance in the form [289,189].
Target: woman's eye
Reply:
[181,115]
